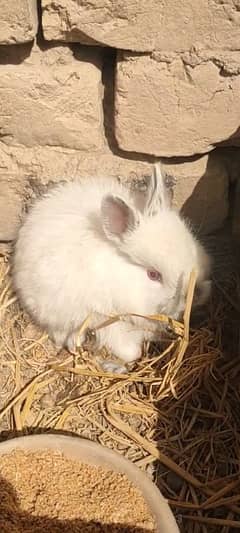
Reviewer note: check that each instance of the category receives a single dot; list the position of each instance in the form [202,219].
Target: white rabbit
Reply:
[85,248]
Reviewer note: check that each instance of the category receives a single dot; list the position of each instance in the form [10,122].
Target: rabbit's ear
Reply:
[158,196]
[118,218]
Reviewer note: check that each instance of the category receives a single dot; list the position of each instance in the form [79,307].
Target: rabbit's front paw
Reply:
[113,368]
[129,352]
[73,342]
[58,337]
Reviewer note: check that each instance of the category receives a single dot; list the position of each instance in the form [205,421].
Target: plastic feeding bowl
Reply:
[91,453]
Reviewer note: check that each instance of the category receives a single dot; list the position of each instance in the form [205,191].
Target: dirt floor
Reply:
[176,414]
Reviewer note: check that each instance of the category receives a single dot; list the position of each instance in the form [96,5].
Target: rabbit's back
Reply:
[60,249]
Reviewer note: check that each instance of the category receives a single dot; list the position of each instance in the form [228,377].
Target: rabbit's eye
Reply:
[154,275]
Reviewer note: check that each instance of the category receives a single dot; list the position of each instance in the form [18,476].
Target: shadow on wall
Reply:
[210,198]
[14,520]
[15,54]
[207,205]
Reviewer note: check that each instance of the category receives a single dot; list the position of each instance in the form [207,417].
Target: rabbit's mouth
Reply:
[201,296]
[175,304]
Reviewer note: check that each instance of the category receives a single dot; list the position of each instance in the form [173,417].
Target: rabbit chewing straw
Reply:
[176,326]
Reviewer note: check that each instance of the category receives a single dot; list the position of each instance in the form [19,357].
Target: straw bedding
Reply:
[176,414]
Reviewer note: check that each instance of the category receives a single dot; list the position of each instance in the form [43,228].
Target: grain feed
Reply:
[45,491]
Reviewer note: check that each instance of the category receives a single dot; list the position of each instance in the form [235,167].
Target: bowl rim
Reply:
[81,449]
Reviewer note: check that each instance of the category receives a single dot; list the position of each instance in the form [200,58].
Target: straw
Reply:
[177,410]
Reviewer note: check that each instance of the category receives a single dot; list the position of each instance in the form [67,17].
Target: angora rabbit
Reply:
[86,248]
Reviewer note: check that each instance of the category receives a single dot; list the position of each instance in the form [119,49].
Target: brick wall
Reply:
[108,87]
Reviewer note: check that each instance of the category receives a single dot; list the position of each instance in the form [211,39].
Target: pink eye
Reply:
[154,275]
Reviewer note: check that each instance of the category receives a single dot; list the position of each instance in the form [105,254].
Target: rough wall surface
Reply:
[177,105]
[176,93]
[19,21]
[143,26]
[52,97]
[183,97]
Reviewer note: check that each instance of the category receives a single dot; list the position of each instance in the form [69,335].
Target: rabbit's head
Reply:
[160,244]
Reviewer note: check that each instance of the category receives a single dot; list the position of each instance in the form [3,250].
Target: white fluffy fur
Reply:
[67,263]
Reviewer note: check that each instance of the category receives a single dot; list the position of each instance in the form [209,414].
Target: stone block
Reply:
[51,96]
[141,25]
[19,21]
[176,105]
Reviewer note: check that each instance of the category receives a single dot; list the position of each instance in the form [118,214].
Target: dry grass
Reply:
[176,414]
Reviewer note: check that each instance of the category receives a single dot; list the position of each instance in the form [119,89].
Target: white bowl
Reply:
[92,453]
